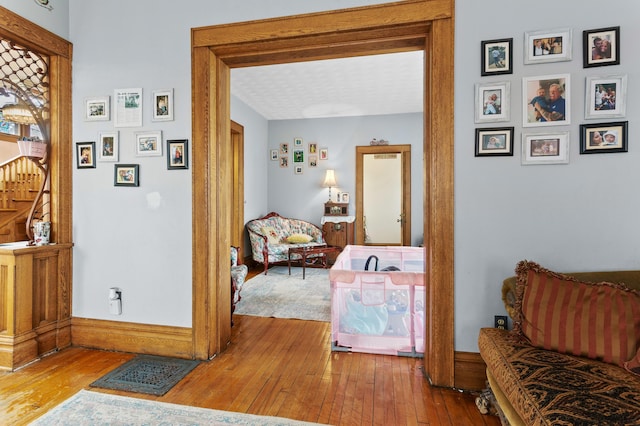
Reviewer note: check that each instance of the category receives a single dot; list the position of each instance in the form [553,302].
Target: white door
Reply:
[382,199]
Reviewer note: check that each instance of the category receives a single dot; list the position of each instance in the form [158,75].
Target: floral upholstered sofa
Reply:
[272,236]
[573,356]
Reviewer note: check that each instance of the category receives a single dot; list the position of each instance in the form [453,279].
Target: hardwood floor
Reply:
[272,367]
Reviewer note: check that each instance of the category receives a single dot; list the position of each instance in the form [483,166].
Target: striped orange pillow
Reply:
[595,320]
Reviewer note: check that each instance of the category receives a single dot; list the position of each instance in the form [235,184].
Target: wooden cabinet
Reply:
[35,302]
[337,234]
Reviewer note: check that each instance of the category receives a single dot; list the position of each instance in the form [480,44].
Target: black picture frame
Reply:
[497,57]
[126,175]
[494,142]
[594,138]
[593,52]
[86,155]
[177,154]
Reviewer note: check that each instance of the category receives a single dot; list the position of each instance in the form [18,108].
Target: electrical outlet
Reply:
[500,321]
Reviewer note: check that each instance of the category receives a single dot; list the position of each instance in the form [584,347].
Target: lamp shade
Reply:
[329,179]
[17,114]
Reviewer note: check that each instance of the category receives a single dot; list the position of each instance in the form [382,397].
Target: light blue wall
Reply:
[580,216]
[139,239]
[54,18]
[302,196]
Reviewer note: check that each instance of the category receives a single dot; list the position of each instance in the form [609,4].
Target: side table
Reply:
[320,253]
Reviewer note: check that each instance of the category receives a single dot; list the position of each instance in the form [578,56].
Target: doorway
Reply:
[237,217]
[383,195]
[417,25]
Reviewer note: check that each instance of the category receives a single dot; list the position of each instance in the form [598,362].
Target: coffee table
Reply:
[305,252]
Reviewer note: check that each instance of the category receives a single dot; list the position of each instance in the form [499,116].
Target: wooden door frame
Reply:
[237,229]
[405,152]
[386,28]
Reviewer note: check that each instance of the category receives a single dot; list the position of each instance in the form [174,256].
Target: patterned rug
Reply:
[93,408]
[280,295]
[149,374]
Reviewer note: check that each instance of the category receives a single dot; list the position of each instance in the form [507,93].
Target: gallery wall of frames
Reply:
[546,98]
[126,110]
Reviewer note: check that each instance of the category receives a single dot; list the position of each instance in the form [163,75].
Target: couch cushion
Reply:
[595,320]
[549,388]
[272,236]
[633,365]
[299,238]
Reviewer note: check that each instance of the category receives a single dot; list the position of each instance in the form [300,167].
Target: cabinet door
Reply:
[334,234]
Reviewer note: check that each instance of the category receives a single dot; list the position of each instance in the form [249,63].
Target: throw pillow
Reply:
[271,234]
[299,238]
[558,312]
[633,365]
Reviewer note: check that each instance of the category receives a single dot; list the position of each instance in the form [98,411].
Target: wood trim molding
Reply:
[470,371]
[132,337]
[391,27]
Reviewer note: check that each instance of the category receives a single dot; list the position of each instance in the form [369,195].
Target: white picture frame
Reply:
[556,110]
[149,144]
[492,102]
[162,105]
[547,148]
[605,96]
[108,146]
[547,46]
[127,107]
[97,108]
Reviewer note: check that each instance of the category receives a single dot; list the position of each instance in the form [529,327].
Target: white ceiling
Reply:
[368,85]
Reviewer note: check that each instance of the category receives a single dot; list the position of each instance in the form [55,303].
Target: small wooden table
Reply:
[305,252]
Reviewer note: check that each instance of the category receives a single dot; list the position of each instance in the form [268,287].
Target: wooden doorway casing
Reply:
[237,215]
[387,28]
[405,152]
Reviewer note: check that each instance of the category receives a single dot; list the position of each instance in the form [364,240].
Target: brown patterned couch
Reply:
[573,356]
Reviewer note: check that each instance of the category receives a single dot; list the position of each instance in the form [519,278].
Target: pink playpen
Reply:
[379,310]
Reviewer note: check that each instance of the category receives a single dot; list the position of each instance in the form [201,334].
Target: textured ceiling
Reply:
[369,85]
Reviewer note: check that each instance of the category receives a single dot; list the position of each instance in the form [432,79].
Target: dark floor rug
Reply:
[153,375]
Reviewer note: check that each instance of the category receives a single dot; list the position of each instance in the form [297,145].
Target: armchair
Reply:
[238,275]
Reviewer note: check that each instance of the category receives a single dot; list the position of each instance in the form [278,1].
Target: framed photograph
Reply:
[274,154]
[492,102]
[606,96]
[601,47]
[545,149]
[547,46]
[297,142]
[298,156]
[149,144]
[127,110]
[313,148]
[126,175]
[163,105]
[86,155]
[494,142]
[284,148]
[546,100]
[343,197]
[603,138]
[298,169]
[177,154]
[97,109]
[284,161]
[313,160]
[109,146]
[324,153]
[497,57]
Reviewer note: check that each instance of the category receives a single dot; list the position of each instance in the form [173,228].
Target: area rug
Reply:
[149,374]
[94,408]
[280,295]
